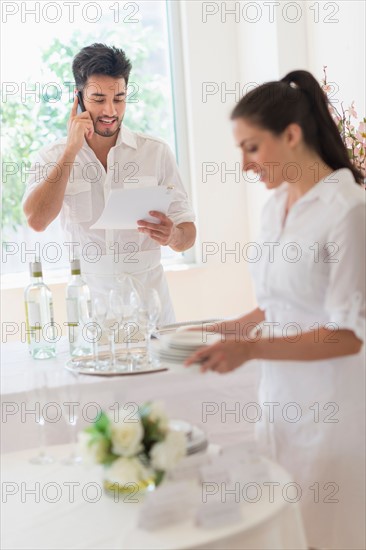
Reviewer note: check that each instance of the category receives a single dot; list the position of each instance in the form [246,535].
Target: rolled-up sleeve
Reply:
[345,295]
[36,172]
[180,209]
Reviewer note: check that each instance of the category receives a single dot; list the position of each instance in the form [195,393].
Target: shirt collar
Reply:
[126,137]
[323,190]
[326,188]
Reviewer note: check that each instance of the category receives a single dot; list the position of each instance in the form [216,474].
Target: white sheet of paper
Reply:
[126,206]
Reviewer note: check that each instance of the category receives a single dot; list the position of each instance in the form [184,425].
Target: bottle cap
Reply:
[75,267]
[35,268]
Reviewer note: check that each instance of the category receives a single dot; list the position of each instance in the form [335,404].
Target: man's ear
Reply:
[293,135]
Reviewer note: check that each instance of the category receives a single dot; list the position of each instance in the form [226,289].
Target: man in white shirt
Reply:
[75,175]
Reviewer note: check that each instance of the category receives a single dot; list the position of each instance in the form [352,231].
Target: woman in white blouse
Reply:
[310,288]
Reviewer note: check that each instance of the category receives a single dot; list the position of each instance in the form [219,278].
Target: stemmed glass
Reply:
[100,308]
[130,306]
[69,395]
[90,325]
[39,393]
[153,311]
[126,307]
[117,309]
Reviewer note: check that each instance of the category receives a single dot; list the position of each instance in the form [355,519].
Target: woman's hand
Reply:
[221,357]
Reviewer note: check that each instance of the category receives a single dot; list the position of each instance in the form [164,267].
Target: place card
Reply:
[218,471]
[215,513]
[172,503]
[249,465]
[190,467]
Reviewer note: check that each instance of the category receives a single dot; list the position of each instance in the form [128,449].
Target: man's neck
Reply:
[102,145]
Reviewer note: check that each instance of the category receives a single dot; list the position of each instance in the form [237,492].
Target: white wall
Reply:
[341,46]
[232,54]
[307,36]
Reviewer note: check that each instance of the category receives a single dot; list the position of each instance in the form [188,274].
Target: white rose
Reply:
[126,434]
[158,414]
[166,454]
[92,453]
[127,470]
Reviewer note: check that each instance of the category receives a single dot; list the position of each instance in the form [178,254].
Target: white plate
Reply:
[175,327]
[182,426]
[196,438]
[198,441]
[183,350]
[175,357]
[185,339]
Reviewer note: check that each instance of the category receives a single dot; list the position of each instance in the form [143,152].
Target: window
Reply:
[38,91]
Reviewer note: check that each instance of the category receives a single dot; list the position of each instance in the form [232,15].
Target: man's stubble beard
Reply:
[107,132]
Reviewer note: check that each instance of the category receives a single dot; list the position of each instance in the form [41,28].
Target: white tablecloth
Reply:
[105,524]
[186,397]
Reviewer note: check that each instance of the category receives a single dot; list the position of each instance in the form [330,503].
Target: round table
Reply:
[60,507]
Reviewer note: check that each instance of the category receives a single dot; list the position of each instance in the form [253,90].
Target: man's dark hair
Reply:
[102,60]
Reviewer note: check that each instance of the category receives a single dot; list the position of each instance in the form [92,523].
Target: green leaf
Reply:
[144,410]
[102,424]
[90,430]
[159,477]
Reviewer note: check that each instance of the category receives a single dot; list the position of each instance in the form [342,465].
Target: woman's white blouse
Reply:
[309,271]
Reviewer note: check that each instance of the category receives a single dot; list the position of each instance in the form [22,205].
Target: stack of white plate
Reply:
[177,347]
[206,324]
[196,438]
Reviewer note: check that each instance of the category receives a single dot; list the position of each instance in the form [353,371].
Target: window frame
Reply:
[180,112]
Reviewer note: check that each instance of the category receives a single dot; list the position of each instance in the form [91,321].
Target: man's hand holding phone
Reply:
[80,126]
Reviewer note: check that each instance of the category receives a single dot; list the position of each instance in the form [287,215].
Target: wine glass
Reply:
[130,306]
[100,309]
[129,302]
[92,331]
[69,395]
[38,397]
[116,310]
[153,312]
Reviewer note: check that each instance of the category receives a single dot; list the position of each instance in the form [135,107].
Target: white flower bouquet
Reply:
[136,449]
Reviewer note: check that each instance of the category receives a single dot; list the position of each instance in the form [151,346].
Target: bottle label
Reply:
[72,312]
[52,319]
[27,322]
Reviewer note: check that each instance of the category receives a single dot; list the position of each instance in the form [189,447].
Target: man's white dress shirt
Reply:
[136,160]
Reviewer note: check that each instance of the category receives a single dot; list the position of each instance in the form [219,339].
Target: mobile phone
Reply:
[81,106]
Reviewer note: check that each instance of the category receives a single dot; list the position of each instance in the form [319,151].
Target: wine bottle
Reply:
[39,315]
[78,306]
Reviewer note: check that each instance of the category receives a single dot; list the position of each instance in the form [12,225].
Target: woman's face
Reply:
[268,155]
